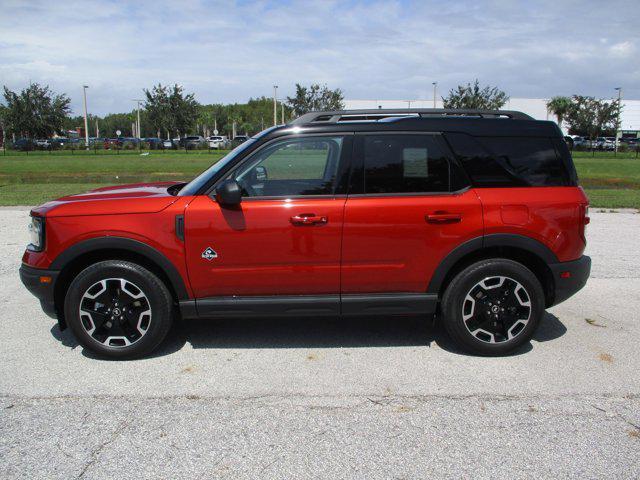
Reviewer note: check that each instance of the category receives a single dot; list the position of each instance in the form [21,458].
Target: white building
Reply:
[536,107]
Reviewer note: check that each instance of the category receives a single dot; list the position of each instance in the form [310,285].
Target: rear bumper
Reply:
[569,277]
[32,278]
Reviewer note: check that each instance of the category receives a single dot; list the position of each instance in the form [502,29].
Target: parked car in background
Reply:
[193,141]
[59,142]
[154,142]
[23,144]
[112,143]
[238,139]
[218,142]
[576,141]
[168,143]
[43,143]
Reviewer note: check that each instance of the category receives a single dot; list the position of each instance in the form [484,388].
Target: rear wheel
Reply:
[493,306]
[118,309]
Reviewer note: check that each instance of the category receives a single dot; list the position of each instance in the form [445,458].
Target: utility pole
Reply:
[86,123]
[137,100]
[275,105]
[619,89]
[435,89]
[282,109]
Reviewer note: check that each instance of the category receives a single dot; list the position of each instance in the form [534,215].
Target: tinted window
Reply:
[509,161]
[404,164]
[301,166]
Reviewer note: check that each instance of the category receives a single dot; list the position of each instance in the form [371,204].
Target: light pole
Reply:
[86,123]
[435,87]
[138,122]
[619,89]
[275,105]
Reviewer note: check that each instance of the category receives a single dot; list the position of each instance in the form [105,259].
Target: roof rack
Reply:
[372,115]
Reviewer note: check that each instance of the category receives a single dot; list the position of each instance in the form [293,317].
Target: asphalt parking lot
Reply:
[320,398]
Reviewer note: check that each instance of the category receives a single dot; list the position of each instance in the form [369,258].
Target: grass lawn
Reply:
[610,181]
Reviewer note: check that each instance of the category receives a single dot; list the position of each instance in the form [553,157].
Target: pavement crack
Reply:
[95,453]
[618,415]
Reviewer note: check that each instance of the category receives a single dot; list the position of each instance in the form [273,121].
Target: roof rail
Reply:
[336,116]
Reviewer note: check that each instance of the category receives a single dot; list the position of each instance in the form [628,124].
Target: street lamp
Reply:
[275,105]
[138,122]
[435,86]
[619,89]
[86,123]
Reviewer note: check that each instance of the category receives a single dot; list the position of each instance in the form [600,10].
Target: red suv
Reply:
[474,215]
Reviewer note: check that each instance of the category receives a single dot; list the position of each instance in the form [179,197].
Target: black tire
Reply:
[103,276]
[498,325]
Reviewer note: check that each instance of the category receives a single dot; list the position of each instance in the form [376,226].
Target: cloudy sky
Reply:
[230,51]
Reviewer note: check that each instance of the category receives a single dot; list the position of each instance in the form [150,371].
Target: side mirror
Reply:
[229,193]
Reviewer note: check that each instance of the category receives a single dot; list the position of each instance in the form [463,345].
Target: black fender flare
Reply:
[521,242]
[128,244]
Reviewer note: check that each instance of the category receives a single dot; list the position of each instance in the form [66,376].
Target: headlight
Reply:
[36,234]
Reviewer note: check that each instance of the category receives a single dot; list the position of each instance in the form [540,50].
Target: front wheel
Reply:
[118,309]
[493,306]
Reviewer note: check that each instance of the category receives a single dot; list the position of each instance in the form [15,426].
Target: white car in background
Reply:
[218,141]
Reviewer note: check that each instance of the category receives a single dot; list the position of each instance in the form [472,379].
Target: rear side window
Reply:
[404,164]
[509,161]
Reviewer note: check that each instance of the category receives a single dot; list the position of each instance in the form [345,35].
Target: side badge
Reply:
[209,254]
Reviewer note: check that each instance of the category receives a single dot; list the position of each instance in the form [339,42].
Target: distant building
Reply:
[536,107]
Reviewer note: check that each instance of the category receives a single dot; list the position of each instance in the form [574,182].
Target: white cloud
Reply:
[228,51]
[622,49]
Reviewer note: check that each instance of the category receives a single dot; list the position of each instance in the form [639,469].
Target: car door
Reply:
[284,237]
[407,209]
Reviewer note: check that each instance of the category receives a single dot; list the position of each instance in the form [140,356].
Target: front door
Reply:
[285,236]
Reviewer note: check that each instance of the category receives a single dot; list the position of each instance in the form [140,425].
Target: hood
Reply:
[132,198]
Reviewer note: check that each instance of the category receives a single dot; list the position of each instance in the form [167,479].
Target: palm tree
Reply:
[560,107]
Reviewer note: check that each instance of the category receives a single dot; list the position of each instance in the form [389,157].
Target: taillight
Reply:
[584,221]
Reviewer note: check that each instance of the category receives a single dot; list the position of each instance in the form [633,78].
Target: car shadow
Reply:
[315,332]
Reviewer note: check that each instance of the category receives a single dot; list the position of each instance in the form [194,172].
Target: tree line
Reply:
[168,111]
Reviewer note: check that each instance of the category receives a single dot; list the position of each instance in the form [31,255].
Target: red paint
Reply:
[555,216]
[390,246]
[361,244]
[260,250]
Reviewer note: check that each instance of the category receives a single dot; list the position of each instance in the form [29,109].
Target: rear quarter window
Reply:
[510,161]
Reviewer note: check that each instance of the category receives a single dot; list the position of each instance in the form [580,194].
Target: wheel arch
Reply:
[76,258]
[530,252]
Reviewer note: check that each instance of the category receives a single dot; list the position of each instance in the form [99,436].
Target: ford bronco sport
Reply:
[476,216]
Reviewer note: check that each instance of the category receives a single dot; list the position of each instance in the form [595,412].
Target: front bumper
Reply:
[569,277]
[35,281]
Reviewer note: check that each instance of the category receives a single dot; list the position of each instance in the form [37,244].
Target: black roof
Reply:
[474,122]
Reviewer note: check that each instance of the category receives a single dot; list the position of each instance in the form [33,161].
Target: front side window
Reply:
[404,164]
[291,167]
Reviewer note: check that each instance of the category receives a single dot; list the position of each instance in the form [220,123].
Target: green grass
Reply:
[35,194]
[610,181]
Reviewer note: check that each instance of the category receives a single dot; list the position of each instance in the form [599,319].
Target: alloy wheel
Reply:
[115,312]
[496,309]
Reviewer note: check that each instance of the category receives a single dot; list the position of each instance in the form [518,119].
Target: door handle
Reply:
[308,219]
[443,217]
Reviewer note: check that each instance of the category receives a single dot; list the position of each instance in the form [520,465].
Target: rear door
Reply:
[284,238]
[408,207]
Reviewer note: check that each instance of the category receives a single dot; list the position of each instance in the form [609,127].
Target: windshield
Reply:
[197,183]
